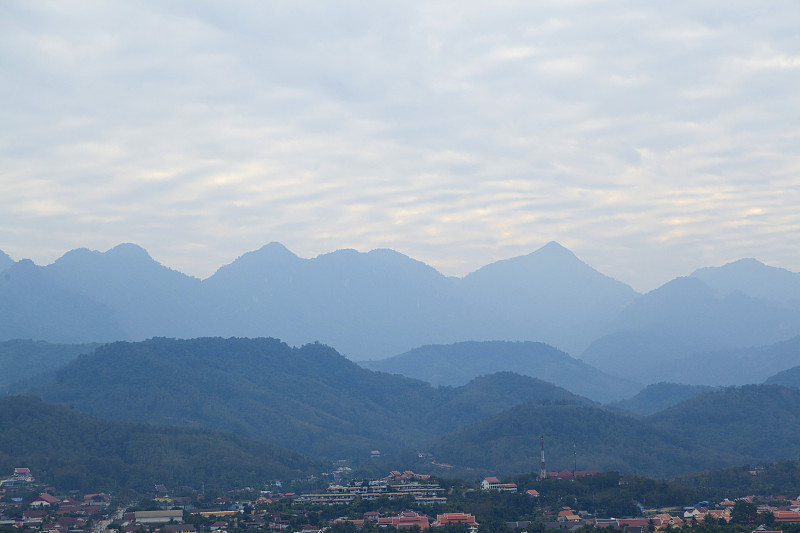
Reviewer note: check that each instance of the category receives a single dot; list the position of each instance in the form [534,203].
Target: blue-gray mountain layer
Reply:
[706,329]
[458,363]
[368,305]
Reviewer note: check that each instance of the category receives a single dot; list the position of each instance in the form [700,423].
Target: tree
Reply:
[744,513]
[765,518]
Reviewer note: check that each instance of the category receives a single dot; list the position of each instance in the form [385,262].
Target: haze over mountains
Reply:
[369,305]
[378,304]
[457,364]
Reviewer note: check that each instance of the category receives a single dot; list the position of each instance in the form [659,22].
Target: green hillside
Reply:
[760,421]
[719,428]
[600,439]
[780,477]
[308,399]
[75,451]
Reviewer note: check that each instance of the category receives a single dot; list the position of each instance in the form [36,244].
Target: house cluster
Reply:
[47,511]
[699,512]
[568,519]
[789,512]
[421,487]
[407,519]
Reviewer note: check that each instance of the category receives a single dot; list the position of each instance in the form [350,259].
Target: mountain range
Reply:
[369,305]
[308,399]
[313,401]
[376,305]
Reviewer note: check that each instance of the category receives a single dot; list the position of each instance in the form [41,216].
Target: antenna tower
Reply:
[575,460]
[543,472]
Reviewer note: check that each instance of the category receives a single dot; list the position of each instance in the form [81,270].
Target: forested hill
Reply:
[75,451]
[761,421]
[732,426]
[599,438]
[308,399]
[779,477]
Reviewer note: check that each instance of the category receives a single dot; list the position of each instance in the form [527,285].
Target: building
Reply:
[456,518]
[405,519]
[489,483]
[158,517]
[492,483]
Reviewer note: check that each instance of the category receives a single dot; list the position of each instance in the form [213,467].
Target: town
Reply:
[405,501]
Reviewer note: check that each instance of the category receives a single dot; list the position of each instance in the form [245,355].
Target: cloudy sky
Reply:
[650,138]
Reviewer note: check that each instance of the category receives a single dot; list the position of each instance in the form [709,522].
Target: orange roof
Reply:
[454,518]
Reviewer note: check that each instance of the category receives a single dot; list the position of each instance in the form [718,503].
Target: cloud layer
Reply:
[651,139]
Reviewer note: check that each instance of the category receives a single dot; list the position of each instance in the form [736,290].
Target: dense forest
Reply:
[314,401]
[599,438]
[74,451]
[310,399]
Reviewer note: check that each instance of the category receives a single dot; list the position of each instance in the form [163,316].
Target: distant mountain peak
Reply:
[554,247]
[5,261]
[275,247]
[270,253]
[554,253]
[128,250]
[748,261]
[754,278]
[256,261]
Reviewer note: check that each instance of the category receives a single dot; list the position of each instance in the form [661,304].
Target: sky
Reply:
[650,138]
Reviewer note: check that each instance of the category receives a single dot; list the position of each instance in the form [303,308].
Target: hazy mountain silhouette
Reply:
[549,296]
[456,364]
[363,303]
[5,261]
[34,306]
[148,298]
[753,278]
[682,319]
[660,396]
[22,360]
[368,305]
[786,378]
[378,304]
